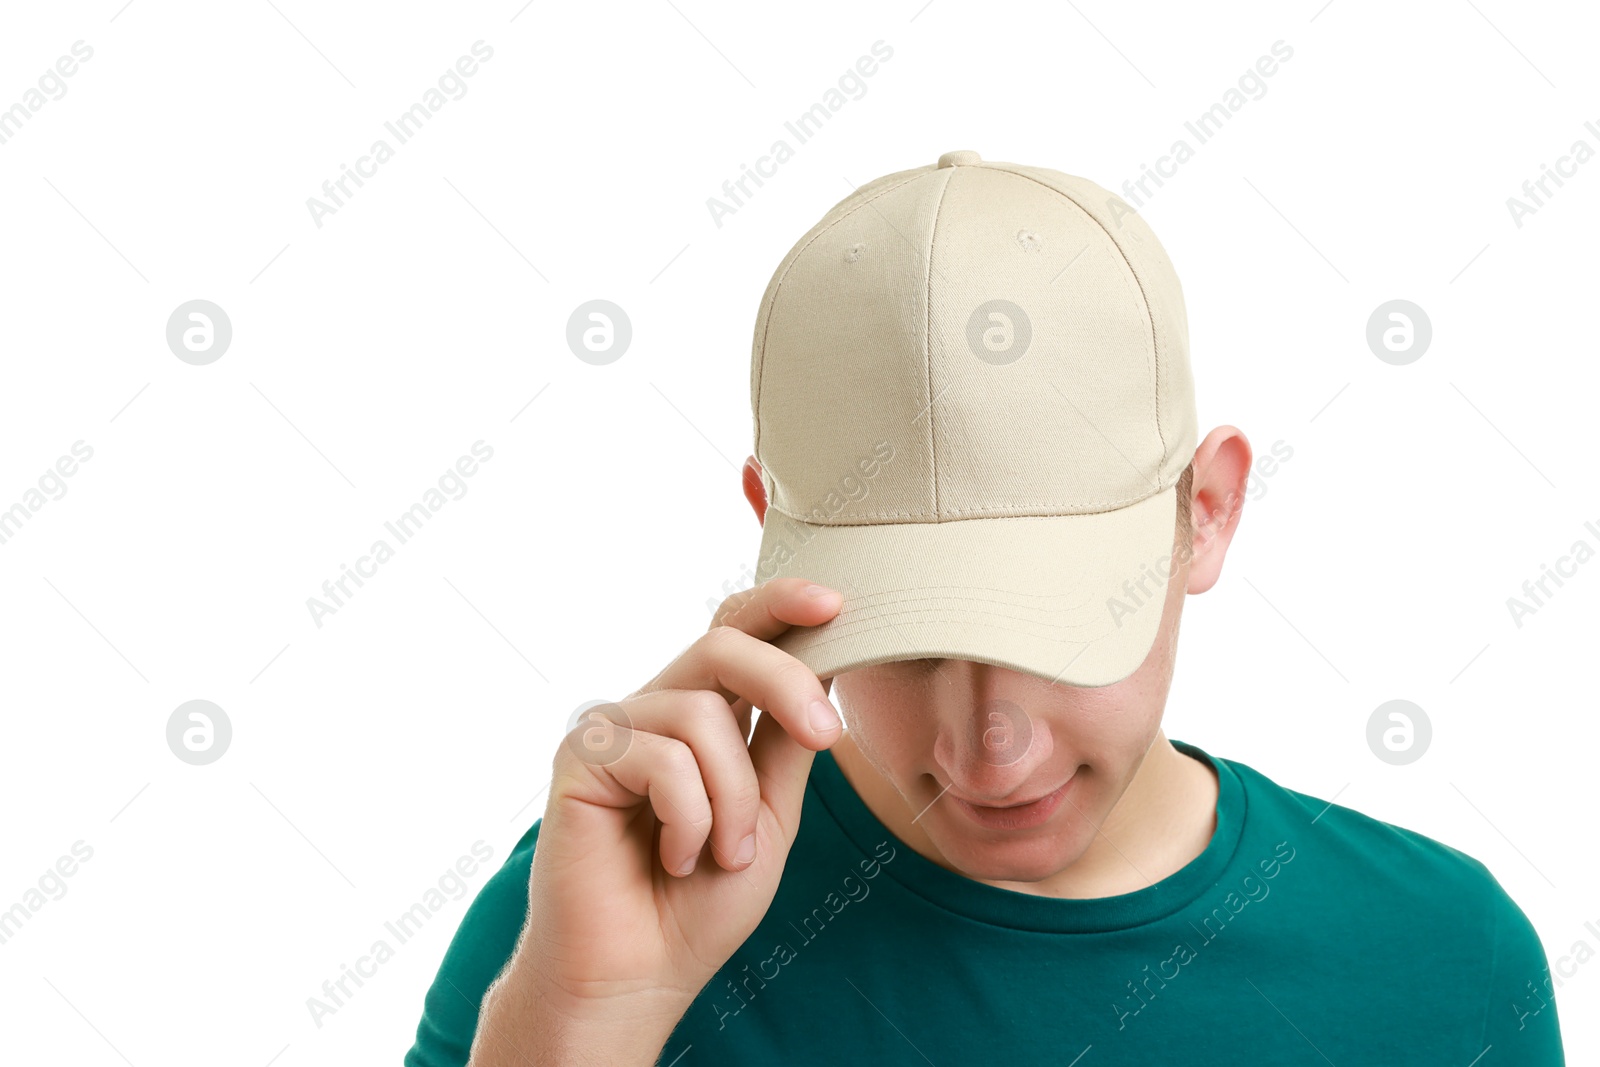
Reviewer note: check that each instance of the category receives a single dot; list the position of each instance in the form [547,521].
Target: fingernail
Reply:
[823,717]
[688,867]
[747,850]
[817,590]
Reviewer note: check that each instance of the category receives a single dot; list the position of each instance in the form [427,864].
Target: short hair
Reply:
[1184,541]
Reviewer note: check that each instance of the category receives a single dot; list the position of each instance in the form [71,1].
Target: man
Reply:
[983,503]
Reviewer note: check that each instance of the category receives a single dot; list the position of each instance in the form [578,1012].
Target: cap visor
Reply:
[1074,599]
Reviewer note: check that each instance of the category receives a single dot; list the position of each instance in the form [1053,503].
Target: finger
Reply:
[704,721]
[782,766]
[765,611]
[774,606]
[734,664]
[742,709]
[664,769]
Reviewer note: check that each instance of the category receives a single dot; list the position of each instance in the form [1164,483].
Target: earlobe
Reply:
[755,490]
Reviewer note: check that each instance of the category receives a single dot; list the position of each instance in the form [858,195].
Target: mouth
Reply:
[1018,816]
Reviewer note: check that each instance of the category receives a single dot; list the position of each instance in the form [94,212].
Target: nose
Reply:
[994,753]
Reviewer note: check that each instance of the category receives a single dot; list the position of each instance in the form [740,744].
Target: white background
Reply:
[430,310]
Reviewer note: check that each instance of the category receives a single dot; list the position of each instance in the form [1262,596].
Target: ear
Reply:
[755,490]
[1221,477]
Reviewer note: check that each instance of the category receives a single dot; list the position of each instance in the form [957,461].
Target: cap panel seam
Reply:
[1155,345]
[927,337]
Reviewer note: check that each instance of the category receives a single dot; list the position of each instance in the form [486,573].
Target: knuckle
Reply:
[794,676]
[566,771]
[732,604]
[703,704]
[721,638]
[746,793]
[676,759]
[678,763]
[600,735]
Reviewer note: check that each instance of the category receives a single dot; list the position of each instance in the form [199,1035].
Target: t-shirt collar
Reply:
[985,903]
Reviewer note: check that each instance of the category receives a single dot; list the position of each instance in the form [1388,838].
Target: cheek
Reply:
[892,727]
[1119,726]
[888,736]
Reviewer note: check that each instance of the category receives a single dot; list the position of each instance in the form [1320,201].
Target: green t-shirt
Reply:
[1305,933]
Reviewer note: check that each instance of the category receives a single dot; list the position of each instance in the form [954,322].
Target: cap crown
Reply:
[1016,335]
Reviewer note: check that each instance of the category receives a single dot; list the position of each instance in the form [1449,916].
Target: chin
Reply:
[994,857]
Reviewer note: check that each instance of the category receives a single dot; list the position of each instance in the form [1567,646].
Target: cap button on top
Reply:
[964,158]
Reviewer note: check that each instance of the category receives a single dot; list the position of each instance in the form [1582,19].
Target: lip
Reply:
[1021,816]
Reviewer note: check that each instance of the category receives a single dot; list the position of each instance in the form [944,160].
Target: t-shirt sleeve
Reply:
[478,952]
[1520,1024]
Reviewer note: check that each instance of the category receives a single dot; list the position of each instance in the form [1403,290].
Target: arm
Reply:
[486,998]
[524,1023]
[594,953]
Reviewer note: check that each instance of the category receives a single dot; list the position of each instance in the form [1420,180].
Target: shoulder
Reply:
[1385,855]
[1425,893]
[1365,864]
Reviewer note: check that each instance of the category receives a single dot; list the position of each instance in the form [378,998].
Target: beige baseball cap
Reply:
[973,401]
